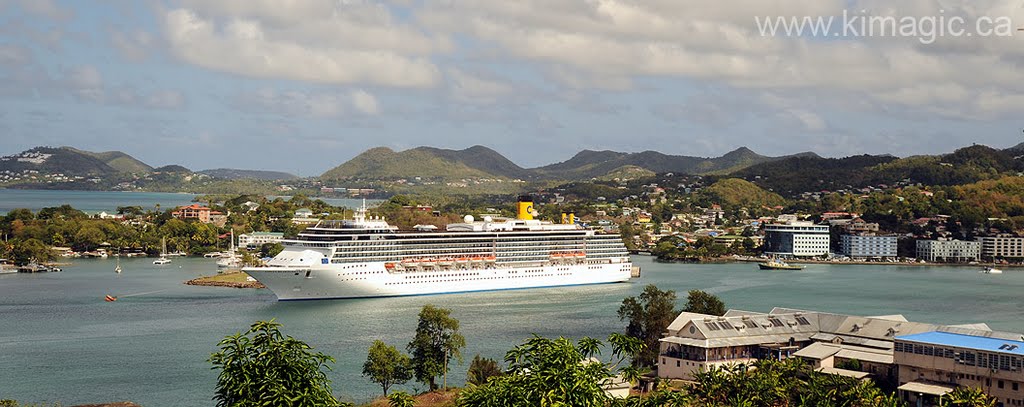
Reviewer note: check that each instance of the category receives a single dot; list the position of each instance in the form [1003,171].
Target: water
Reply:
[59,341]
[107,201]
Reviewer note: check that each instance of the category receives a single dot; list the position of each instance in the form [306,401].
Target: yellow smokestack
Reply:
[572,218]
[524,209]
[565,219]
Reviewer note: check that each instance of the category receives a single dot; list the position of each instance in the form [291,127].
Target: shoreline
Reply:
[851,263]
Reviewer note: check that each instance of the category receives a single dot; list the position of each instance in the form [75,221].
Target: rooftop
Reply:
[967,342]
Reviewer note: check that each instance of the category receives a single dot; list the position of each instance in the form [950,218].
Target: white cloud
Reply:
[325,42]
[134,46]
[46,8]
[364,102]
[471,88]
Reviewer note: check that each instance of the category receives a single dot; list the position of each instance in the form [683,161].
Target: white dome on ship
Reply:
[468,218]
[488,219]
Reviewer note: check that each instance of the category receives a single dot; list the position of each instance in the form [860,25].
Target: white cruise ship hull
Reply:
[362,280]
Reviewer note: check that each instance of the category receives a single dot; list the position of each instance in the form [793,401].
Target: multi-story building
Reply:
[257,239]
[796,239]
[948,250]
[868,246]
[195,211]
[932,364]
[1001,247]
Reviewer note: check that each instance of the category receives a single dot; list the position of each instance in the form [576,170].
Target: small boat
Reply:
[990,270]
[778,265]
[109,298]
[163,253]
[117,268]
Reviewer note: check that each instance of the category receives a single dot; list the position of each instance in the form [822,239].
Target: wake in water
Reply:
[145,293]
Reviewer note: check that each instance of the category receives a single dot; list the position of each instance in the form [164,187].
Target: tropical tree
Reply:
[553,372]
[967,397]
[480,369]
[263,367]
[437,341]
[386,366]
[648,317]
[703,303]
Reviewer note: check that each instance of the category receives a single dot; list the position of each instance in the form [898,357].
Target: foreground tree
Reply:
[264,367]
[968,397]
[401,399]
[554,372]
[386,366]
[436,343]
[703,303]
[648,317]
[480,369]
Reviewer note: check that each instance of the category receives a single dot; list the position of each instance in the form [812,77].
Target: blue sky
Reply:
[302,86]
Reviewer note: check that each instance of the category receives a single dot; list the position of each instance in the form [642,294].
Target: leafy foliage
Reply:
[386,366]
[735,193]
[553,372]
[648,316]
[968,397]
[401,399]
[264,367]
[703,303]
[436,343]
[481,369]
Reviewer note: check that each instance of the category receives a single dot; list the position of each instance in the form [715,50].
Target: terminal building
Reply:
[924,361]
[868,246]
[948,250]
[796,239]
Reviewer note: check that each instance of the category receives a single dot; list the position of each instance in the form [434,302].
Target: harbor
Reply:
[151,345]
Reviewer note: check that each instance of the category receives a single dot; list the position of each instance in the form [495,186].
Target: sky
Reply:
[304,85]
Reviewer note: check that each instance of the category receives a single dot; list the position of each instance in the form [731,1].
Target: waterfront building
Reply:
[796,239]
[304,217]
[829,342]
[197,212]
[1001,247]
[948,250]
[933,363]
[868,246]
[257,239]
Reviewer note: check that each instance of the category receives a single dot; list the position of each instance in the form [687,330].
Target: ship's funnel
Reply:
[572,218]
[524,208]
[565,219]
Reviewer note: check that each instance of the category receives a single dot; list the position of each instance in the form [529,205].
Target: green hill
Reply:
[50,160]
[117,160]
[231,173]
[382,163]
[596,164]
[734,193]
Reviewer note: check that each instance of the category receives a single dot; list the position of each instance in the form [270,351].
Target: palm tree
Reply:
[967,397]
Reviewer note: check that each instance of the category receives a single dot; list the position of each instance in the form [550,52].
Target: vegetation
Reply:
[263,367]
[968,397]
[703,303]
[386,366]
[648,316]
[481,369]
[401,399]
[558,372]
[436,343]
[735,193]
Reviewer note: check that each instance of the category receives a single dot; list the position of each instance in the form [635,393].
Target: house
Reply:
[304,216]
[198,212]
[256,239]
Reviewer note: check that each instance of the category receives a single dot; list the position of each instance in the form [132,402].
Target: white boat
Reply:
[360,257]
[117,268]
[990,270]
[214,255]
[163,253]
[231,259]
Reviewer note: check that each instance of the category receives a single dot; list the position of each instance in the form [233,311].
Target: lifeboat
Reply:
[491,259]
[411,262]
[580,255]
[446,262]
[462,260]
[389,266]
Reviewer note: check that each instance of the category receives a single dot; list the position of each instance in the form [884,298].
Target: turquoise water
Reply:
[59,341]
[108,201]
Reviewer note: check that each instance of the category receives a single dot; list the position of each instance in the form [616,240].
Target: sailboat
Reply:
[117,269]
[231,259]
[163,253]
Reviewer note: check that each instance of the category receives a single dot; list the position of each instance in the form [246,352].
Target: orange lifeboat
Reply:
[109,298]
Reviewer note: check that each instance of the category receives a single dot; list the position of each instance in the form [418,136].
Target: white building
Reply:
[796,239]
[948,250]
[257,239]
[1001,247]
[868,246]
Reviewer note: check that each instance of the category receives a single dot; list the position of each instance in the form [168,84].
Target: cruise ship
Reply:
[367,257]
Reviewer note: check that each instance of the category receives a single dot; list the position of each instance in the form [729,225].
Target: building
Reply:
[796,239]
[304,216]
[198,212]
[933,363]
[828,342]
[256,239]
[1002,247]
[948,250]
[868,246]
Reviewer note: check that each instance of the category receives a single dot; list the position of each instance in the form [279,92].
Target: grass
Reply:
[227,277]
[440,398]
